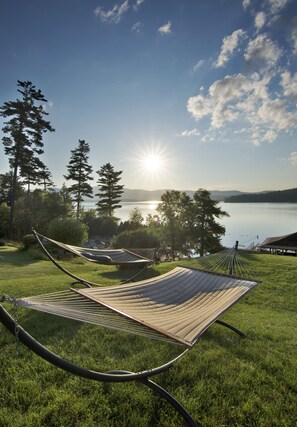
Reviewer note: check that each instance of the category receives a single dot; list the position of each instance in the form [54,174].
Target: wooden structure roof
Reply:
[287,242]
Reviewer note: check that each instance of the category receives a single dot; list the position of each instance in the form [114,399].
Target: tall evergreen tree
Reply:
[110,191]
[36,173]
[25,126]
[80,171]
[45,178]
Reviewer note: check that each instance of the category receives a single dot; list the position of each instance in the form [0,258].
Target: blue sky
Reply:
[176,94]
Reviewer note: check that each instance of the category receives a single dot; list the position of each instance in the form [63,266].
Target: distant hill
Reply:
[282,196]
[228,196]
[139,195]
[134,195]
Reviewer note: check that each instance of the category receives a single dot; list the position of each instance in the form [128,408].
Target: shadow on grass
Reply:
[122,275]
[15,257]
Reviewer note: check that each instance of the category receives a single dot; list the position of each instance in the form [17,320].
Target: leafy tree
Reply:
[172,214]
[110,191]
[152,220]
[65,194]
[25,128]
[4,218]
[135,221]
[37,210]
[102,227]
[139,238]
[135,217]
[80,171]
[6,181]
[202,216]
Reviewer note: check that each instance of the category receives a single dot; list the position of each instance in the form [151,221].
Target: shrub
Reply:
[100,226]
[37,254]
[70,231]
[140,238]
[29,240]
[2,242]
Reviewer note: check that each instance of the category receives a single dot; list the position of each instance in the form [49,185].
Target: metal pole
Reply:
[233,258]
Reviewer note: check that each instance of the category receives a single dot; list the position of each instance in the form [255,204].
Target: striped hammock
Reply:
[177,306]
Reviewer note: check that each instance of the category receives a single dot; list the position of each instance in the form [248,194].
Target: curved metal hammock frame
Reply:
[107,257]
[178,306]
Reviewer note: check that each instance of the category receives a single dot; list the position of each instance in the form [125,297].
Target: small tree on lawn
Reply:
[205,230]
[80,171]
[172,213]
[110,191]
[25,128]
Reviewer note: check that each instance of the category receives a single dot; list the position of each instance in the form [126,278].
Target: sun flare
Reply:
[152,163]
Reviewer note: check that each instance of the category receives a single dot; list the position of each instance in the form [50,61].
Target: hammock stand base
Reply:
[110,376]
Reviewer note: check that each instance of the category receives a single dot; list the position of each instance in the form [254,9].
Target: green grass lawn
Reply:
[223,381]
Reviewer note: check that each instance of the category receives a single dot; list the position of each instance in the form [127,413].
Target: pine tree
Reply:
[25,127]
[80,171]
[110,191]
[45,178]
[36,173]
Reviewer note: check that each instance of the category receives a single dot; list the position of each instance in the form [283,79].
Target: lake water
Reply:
[249,223]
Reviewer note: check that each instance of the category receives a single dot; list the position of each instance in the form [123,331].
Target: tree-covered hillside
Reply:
[284,196]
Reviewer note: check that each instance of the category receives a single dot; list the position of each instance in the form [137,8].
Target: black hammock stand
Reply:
[232,289]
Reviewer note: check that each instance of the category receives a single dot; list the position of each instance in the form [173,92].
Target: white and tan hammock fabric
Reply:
[177,306]
[101,256]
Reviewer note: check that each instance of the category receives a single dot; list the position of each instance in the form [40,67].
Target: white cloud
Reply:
[248,98]
[165,29]
[270,136]
[277,5]
[246,3]
[138,4]
[220,102]
[274,113]
[137,27]
[239,131]
[260,20]
[113,15]
[293,158]
[263,100]
[262,52]
[232,87]
[193,132]
[198,65]
[199,106]
[230,43]
[289,84]
[294,36]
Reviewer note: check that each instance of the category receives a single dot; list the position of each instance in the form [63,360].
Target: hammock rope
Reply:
[230,261]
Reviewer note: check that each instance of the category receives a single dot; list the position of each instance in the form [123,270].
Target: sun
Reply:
[152,163]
